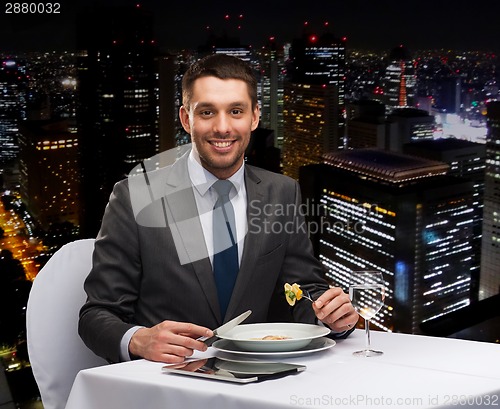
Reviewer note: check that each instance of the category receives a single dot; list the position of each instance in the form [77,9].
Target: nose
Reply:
[222,124]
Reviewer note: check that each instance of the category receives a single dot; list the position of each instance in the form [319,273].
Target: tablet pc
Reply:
[234,371]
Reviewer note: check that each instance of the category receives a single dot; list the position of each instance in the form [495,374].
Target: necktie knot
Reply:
[223,187]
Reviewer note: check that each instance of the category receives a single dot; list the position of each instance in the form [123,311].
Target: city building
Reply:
[489,284]
[366,124]
[118,110]
[12,106]
[310,125]
[319,59]
[371,209]
[467,160]
[439,81]
[411,124]
[314,100]
[169,102]
[369,127]
[49,169]
[271,75]
[52,87]
[400,80]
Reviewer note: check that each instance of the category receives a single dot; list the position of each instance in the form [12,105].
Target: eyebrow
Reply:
[204,105]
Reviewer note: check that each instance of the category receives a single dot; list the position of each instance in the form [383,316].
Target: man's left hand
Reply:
[335,310]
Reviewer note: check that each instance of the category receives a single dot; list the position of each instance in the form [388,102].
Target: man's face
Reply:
[220,120]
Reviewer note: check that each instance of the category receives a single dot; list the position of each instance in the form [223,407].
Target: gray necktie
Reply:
[225,264]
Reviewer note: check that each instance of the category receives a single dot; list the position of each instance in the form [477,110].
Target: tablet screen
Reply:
[234,371]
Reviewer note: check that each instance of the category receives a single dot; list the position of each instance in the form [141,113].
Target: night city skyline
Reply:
[378,25]
[66,99]
[387,114]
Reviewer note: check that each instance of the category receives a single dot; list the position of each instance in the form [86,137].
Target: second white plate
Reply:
[316,345]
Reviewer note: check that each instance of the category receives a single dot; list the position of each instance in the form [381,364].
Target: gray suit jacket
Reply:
[138,278]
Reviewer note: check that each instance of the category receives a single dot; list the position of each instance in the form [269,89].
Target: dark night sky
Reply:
[368,24]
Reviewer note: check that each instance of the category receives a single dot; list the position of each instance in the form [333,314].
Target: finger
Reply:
[177,350]
[181,340]
[336,314]
[332,305]
[169,353]
[347,320]
[327,296]
[191,330]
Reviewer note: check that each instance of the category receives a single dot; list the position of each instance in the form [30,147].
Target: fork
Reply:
[307,295]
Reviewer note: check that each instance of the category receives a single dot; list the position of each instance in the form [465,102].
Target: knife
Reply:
[225,328]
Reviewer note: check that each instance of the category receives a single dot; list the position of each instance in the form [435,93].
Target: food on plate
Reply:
[293,293]
[275,337]
[272,338]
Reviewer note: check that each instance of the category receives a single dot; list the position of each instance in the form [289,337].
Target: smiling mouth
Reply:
[221,144]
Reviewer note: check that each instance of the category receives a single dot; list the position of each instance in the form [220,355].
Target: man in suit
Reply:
[155,286]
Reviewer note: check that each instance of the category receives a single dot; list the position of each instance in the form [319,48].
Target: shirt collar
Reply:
[202,179]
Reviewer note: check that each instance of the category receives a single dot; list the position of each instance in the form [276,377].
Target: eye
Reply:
[206,113]
[236,111]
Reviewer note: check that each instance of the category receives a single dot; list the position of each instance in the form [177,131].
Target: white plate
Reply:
[316,345]
[249,336]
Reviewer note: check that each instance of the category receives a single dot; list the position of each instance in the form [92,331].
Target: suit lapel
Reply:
[182,214]
[252,241]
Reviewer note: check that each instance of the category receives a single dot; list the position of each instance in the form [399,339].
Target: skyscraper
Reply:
[49,171]
[439,81]
[400,79]
[412,125]
[310,125]
[489,284]
[366,125]
[12,107]
[314,105]
[169,101]
[467,160]
[319,59]
[378,210]
[117,117]
[271,83]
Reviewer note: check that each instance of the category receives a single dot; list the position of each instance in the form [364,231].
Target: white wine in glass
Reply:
[367,293]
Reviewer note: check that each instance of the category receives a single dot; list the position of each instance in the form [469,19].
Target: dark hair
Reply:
[221,66]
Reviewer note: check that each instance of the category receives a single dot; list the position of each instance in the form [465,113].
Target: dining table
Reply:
[414,371]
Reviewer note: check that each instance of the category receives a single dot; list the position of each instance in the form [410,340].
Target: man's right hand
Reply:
[169,341]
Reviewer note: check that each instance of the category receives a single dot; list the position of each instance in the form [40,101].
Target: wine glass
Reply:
[367,293]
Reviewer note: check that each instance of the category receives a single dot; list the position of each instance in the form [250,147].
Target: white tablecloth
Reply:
[414,372]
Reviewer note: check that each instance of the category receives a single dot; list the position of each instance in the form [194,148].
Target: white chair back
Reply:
[55,349]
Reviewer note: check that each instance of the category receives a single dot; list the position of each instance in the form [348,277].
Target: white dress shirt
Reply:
[206,197]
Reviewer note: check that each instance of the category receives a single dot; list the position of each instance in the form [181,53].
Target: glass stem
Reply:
[367,329]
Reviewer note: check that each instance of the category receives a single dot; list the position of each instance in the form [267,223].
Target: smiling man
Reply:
[151,293]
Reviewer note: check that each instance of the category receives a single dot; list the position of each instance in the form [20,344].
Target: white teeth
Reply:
[221,144]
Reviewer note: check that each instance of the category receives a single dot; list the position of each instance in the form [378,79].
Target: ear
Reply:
[255,117]
[184,118]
